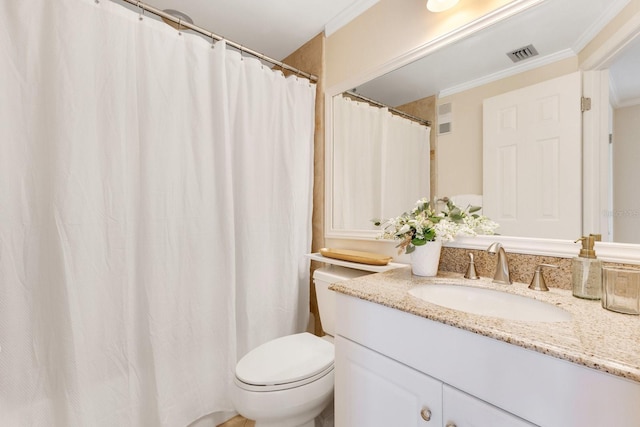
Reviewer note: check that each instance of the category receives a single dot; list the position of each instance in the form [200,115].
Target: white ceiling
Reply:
[275,28]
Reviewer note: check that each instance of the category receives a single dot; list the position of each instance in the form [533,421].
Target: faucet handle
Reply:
[537,282]
[471,269]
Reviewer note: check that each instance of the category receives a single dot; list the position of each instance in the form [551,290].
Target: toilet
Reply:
[288,381]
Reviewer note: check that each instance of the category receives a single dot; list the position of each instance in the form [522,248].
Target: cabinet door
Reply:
[373,390]
[462,410]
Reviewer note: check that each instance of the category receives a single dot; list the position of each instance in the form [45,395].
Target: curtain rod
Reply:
[393,110]
[214,36]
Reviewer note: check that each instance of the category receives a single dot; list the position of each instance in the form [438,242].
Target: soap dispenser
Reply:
[586,271]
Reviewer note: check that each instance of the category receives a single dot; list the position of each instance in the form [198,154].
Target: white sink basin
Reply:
[488,302]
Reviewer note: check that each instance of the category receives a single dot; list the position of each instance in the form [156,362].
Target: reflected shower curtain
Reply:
[406,169]
[155,207]
[381,164]
[358,133]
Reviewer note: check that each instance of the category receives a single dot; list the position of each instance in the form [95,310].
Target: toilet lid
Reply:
[284,360]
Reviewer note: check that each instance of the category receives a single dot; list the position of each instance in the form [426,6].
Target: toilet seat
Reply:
[286,362]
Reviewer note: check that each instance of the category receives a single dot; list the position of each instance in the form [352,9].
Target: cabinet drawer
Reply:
[462,410]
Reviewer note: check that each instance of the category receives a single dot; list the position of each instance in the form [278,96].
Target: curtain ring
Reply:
[141,15]
[179,26]
[213,41]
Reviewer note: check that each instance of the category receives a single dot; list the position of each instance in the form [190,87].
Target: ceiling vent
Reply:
[522,53]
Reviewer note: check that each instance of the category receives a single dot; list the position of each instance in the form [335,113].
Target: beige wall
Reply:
[391,28]
[459,154]
[425,108]
[310,58]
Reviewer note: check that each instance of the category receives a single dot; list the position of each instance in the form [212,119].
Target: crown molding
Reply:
[603,56]
[597,26]
[525,66]
[347,15]
[628,103]
[446,39]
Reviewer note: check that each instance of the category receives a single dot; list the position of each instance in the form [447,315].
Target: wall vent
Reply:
[522,53]
[444,109]
[445,117]
[444,128]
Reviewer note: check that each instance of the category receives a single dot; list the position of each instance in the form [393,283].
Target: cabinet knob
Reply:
[425,413]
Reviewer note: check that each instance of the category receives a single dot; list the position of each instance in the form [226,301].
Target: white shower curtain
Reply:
[155,207]
[406,169]
[381,164]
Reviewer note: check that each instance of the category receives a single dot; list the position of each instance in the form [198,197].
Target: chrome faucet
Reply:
[502,267]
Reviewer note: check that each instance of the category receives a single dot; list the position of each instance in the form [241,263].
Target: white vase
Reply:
[425,259]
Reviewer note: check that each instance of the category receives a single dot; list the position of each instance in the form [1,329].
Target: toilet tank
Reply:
[323,278]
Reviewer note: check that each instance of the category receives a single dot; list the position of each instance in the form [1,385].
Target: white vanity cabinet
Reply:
[392,367]
[376,391]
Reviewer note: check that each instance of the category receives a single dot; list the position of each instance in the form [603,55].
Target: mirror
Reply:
[558,31]
[623,216]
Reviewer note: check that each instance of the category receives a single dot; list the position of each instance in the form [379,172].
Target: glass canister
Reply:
[587,278]
[621,289]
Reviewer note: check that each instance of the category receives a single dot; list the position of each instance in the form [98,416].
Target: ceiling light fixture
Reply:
[440,5]
[182,17]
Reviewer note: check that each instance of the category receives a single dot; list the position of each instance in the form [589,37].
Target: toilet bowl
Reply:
[288,381]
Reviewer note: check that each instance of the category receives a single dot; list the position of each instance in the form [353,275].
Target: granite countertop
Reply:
[594,337]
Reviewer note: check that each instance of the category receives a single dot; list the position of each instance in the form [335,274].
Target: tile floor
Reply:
[324,420]
[238,421]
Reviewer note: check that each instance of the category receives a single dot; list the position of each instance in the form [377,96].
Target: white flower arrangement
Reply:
[422,224]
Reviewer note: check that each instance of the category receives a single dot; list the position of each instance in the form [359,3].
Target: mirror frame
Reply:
[599,60]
